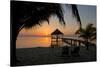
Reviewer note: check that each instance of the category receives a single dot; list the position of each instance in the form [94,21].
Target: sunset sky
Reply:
[87,14]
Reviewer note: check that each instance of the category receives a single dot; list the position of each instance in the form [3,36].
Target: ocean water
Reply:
[29,42]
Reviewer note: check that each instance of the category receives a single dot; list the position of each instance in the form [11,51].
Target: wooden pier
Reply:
[76,42]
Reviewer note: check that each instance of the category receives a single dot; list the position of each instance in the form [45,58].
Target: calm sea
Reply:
[29,42]
[34,41]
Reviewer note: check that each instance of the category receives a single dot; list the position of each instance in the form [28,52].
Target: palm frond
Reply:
[79,31]
[87,33]
[93,36]
[38,12]
[76,13]
[29,14]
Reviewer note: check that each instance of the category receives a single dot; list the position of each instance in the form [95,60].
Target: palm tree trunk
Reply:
[18,30]
[22,26]
[87,44]
[13,46]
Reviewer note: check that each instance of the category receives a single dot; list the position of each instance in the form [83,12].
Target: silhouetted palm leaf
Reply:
[29,14]
[76,14]
[89,33]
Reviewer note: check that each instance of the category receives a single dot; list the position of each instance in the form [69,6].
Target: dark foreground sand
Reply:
[38,56]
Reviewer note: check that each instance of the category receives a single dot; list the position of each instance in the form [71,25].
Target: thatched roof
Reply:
[56,32]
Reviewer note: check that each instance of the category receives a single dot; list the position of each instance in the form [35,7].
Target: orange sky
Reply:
[47,29]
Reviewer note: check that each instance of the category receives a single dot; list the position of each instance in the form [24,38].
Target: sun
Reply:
[46,33]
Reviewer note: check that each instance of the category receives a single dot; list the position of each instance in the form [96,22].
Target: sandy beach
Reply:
[47,55]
